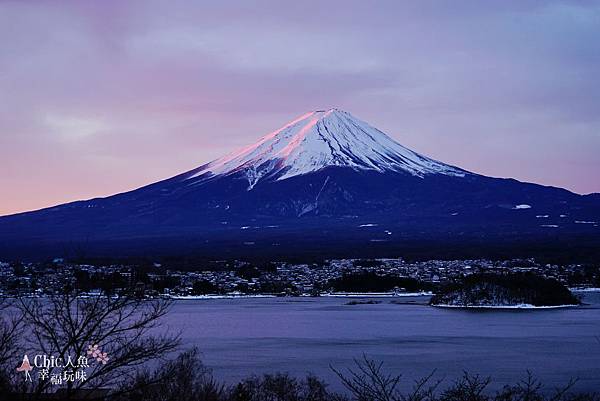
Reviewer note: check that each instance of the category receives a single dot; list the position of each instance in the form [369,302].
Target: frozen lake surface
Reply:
[240,337]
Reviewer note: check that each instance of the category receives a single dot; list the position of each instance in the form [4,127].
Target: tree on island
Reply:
[509,289]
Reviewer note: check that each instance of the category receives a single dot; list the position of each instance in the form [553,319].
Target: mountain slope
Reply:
[325,181]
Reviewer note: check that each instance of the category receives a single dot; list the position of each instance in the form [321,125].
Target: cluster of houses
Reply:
[238,277]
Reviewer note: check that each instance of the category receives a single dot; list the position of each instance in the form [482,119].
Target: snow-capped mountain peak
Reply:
[320,139]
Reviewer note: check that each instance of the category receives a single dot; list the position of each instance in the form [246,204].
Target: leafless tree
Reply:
[368,382]
[10,334]
[468,388]
[124,327]
[184,378]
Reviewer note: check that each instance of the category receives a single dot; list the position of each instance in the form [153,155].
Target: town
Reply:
[241,278]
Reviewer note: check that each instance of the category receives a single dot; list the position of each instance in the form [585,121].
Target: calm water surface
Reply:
[239,337]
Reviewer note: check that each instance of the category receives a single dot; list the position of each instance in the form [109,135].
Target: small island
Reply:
[511,290]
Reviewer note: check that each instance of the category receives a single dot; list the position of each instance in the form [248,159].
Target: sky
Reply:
[98,98]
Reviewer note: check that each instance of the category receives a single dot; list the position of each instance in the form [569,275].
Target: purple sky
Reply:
[98,98]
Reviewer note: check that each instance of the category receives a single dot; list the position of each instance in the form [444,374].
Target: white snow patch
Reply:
[369,225]
[549,225]
[584,289]
[519,306]
[216,296]
[522,206]
[584,222]
[376,294]
[542,216]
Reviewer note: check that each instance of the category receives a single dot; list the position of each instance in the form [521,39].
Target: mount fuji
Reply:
[324,184]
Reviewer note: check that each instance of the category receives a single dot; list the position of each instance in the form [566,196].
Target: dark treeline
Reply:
[355,282]
[306,249]
[372,282]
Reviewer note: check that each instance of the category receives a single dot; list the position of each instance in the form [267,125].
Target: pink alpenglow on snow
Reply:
[320,139]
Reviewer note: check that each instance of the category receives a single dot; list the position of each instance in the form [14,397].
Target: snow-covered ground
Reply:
[584,289]
[215,296]
[519,306]
[376,294]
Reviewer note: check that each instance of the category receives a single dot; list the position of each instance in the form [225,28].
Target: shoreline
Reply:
[376,294]
[209,296]
[584,289]
[338,295]
[328,295]
[519,306]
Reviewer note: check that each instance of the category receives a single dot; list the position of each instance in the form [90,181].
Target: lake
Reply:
[240,337]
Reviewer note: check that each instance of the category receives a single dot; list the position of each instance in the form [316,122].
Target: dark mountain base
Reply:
[336,212]
[307,247]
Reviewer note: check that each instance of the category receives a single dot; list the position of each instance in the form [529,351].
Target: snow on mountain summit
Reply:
[320,139]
